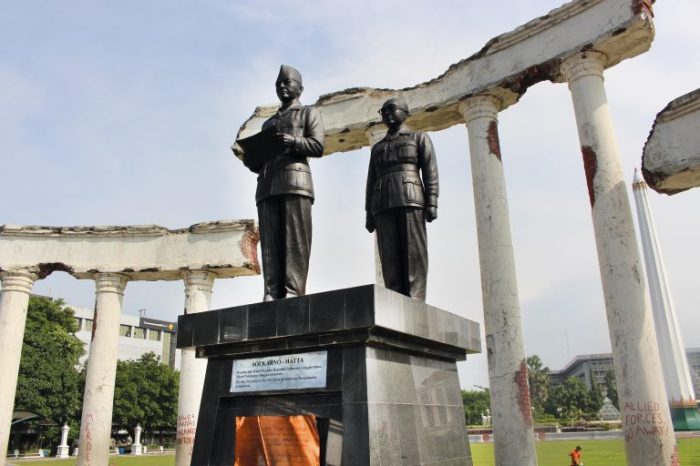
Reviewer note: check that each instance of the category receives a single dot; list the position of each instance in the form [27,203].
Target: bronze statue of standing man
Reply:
[285,190]
[402,193]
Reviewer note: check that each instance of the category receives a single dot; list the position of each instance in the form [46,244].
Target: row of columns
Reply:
[646,420]
[96,421]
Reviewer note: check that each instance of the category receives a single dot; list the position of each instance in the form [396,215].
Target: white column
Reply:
[14,299]
[136,447]
[63,449]
[646,419]
[674,362]
[198,289]
[96,421]
[374,135]
[511,413]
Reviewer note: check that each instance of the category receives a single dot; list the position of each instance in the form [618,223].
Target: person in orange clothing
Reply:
[576,456]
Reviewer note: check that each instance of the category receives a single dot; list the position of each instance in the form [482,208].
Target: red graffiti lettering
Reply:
[644,419]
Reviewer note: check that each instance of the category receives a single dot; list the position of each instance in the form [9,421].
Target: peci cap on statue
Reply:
[396,102]
[287,71]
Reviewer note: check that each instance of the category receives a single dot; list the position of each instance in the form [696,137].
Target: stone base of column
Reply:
[685,418]
[137,449]
[62,451]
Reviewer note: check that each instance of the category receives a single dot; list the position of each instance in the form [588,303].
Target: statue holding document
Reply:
[279,155]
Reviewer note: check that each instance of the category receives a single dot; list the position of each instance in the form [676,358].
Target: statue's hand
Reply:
[430,213]
[287,140]
[369,222]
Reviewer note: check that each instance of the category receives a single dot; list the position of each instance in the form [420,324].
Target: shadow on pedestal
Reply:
[388,394]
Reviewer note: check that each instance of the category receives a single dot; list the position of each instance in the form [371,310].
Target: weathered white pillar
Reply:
[14,299]
[136,447]
[511,413]
[96,421]
[674,362]
[374,135]
[62,451]
[646,419]
[198,289]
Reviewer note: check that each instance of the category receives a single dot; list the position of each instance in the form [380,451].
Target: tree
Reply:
[538,379]
[595,400]
[475,404]
[611,388]
[49,382]
[572,400]
[145,393]
[568,400]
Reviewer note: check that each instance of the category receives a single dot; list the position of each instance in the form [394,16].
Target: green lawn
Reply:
[553,453]
[595,452]
[148,460]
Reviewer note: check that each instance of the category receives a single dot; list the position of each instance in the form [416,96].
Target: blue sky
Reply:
[120,113]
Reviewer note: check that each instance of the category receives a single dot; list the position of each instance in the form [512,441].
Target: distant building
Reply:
[597,365]
[693,355]
[583,367]
[137,336]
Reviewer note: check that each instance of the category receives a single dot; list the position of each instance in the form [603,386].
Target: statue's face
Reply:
[288,89]
[392,116]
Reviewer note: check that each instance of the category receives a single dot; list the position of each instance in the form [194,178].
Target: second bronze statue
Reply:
[402,192]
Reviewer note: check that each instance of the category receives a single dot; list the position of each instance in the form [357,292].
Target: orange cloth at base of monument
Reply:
[277,441]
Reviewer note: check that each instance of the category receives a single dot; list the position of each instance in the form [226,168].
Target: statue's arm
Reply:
[429,170]
[369,191]
[311,144]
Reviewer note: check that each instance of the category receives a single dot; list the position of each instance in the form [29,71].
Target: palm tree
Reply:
[538,379]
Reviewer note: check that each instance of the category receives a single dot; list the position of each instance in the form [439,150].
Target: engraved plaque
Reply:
[285,372]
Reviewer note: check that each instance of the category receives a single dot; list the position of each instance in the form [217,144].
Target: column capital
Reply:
[107,282]
[480,106]
[375,134]
[588,63]
[203,279]
[21,280]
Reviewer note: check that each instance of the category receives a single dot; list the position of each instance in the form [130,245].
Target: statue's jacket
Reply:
[393,179]
[289,172]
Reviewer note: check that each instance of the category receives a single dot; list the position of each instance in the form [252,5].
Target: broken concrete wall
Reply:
[671,157]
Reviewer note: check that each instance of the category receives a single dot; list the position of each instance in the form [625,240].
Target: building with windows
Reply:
[584,367]
[138,335]
[588,366]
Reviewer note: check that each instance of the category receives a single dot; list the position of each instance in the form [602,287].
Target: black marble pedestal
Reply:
[391,393]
